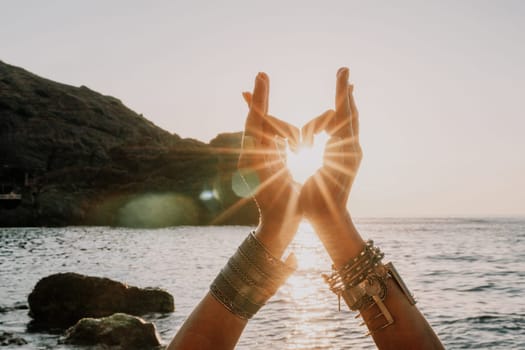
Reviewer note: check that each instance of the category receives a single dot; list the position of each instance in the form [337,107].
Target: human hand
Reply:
[324,195]
[273,188]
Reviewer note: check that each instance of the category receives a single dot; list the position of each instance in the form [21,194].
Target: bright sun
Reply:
[305,162]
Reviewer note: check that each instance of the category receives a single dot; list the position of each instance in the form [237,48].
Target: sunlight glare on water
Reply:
[307,247]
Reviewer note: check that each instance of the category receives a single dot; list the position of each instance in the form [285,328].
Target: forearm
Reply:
[276,235]
[410,330]
[339,236]
[210,326]
[246,282]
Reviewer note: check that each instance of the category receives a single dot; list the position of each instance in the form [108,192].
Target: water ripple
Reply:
[467,274]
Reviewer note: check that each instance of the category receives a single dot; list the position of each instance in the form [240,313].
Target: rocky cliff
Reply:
[81,158]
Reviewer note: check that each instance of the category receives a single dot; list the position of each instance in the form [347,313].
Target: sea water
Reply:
[468,276]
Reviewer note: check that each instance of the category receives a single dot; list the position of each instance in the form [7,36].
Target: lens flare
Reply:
[158,210]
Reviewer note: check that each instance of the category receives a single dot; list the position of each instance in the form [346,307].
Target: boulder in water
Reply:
[119,331]
[60,300]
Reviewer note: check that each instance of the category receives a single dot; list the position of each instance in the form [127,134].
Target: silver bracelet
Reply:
[362,283]
[249,279]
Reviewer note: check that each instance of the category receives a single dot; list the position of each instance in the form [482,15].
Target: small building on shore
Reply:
[13,180]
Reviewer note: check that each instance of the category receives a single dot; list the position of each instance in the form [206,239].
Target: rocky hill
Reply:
[81,158]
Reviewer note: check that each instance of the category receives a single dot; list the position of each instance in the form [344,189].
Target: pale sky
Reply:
[439,85]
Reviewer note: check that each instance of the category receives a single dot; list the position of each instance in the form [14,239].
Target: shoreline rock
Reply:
[119,331]
[60,300]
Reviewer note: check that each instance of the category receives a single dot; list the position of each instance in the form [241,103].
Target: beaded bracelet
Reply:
[250,278]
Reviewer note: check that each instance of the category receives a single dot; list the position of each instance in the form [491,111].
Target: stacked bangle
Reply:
[360,279]
[251,277]
[362,282]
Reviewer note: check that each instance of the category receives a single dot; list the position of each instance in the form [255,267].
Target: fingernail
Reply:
[341,71]
[262,75]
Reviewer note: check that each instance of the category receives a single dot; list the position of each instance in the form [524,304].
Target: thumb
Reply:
[248,98]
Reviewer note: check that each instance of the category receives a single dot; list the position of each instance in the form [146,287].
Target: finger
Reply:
[275,155]
[248,98]
[355,113]
[254,121]
[341,160]
[253,132]
[334,151]
[342,105]
[267,81]
[295,137]
[273,161]
[260,94]
[340,125]
[315,126]
[274,126]
[248,158]
[335,163]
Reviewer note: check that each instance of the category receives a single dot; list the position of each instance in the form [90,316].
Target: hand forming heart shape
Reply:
[265,173]
[272,174]
[309,156]
[302,156]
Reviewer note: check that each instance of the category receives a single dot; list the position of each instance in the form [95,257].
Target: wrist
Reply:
[251,277]
[329,218]
[341,219]
[276,235]
[340,238]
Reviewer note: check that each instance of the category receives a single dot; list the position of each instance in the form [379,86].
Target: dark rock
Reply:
[120,331]
[60,300]
[88,157]
[7,338]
